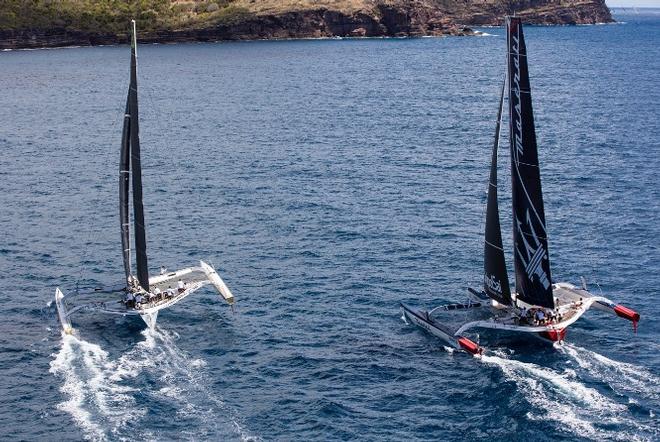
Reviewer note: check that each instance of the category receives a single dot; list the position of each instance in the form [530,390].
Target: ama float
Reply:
[539,306]
[140,294]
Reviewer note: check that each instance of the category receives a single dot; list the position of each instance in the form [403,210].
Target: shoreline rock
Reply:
[387,18]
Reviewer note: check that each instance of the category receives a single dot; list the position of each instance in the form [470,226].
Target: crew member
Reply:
[540,317]
[129,300]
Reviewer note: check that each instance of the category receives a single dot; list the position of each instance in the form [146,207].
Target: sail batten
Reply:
[531,258]
[496,280]
[136,172]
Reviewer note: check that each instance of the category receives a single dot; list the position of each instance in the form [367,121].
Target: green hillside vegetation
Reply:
[54,23]
[112,16]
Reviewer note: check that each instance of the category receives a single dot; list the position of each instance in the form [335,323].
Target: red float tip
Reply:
[625,312]
[470,346]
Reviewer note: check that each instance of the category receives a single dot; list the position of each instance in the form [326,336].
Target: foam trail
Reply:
[112,398]
[196,397]
[622,377]
[82,365]
[562,398]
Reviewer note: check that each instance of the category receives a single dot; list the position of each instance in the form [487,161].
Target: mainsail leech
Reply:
[531,259]
[496,280]
[136,171]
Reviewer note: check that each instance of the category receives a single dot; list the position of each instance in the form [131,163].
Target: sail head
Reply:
[531,259]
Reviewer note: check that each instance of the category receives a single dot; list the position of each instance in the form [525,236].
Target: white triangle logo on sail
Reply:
[535,254]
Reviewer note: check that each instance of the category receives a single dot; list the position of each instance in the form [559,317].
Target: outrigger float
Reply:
[140,295]
[539,307]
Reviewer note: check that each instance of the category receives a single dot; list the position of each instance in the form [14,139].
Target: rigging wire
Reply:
[91,236]
[161,115]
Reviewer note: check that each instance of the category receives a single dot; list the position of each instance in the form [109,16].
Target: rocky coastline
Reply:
[382,18]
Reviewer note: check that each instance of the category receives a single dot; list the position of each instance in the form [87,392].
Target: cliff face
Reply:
[279,19]
[539,12]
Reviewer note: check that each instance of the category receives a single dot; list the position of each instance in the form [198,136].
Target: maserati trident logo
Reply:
[493,284]
[532,254]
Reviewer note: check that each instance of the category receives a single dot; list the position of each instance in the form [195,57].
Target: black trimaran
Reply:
[155,292]
[539,306]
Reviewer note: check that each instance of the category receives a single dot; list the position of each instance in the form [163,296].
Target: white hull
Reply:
[61,312]
[149,310]
[571,303]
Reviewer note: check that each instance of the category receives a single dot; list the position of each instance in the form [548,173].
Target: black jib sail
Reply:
[532,264]
[496,280]
[136,171]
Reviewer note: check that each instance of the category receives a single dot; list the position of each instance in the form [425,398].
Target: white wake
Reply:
[624,378]
[111,398]
[578,409]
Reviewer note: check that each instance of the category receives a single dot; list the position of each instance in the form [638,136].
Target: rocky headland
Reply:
[54,23]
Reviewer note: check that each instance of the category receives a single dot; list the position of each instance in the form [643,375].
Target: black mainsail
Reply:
[530,245]
[124,172]
[133,303]
[130,152]
[531,260]
[496,280]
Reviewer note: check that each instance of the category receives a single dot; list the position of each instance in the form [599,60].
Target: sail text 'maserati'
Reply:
[516,91]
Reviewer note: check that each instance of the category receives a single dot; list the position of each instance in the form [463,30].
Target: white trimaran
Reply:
[155,292]
[539,306]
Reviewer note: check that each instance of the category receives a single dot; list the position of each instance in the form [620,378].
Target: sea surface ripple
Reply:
[327,181]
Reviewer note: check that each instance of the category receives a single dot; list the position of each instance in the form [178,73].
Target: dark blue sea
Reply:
[327,181]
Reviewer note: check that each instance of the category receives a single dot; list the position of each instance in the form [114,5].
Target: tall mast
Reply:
[496,279]
[531,260]
[124,176]
[136,171]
